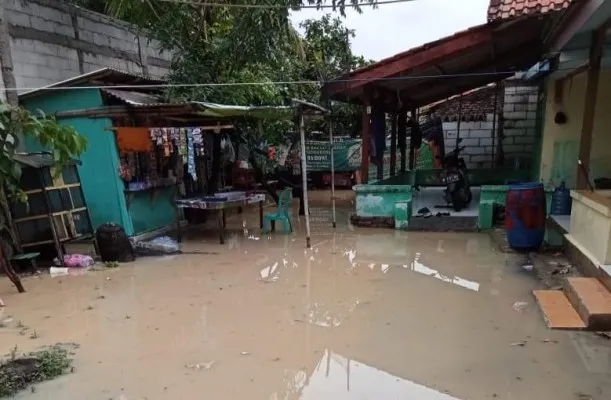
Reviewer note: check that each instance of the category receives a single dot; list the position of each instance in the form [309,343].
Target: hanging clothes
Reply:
[134,139]
[191,155]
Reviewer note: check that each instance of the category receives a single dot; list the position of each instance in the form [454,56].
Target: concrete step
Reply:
[557,310]
[591,300]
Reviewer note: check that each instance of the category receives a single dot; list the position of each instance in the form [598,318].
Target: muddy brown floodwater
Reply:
[365,314]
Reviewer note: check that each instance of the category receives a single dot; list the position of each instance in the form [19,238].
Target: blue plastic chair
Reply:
[281,214]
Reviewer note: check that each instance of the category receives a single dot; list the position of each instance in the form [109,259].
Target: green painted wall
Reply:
[380,200]
[100,180]
[148,211]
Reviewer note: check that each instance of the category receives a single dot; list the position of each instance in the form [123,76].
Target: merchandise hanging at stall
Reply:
[156,157]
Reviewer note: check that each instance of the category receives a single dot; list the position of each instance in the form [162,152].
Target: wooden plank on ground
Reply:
[557,310]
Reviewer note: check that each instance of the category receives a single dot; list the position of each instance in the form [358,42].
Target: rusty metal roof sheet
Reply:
[100,77]
[506,9]
[135,98]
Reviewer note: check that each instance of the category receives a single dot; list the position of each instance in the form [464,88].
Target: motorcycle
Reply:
[456,177]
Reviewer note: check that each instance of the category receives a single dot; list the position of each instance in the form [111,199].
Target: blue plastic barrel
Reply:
[525,216]
[561,201]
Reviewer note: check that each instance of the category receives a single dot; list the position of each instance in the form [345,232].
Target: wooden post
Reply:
[402,137]
[412,149]
[365,143]
[393,143]
[380,159]
[587,125]
[458,123]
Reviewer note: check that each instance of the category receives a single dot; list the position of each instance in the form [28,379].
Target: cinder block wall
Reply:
[52,41]
[515,125]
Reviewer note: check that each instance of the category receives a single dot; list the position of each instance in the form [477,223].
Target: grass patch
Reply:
[16,373]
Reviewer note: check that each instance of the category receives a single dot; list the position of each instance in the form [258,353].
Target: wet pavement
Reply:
[364,314]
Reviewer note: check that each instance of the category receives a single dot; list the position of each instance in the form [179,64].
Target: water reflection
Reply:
[423,269]
[338,377]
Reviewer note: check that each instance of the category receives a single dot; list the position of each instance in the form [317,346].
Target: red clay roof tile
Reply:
[505,9]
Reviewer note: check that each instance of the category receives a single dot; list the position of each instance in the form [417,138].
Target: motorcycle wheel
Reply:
[458,199]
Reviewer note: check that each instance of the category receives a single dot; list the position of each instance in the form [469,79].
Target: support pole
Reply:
[332,171]
[593,74]
[304,180]
[494,115]
[380,157]
[459,120]
[412,149]
[402,137]
[365,143]
[393,143]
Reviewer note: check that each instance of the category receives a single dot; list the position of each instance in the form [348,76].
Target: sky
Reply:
[393,28]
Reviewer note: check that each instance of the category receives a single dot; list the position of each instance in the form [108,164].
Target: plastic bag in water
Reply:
[159,245]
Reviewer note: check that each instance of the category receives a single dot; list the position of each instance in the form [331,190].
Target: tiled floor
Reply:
[433,196]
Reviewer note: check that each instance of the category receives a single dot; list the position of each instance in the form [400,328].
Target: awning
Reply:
[466,60]
[143,101]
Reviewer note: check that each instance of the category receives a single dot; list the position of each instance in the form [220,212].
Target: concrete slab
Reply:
[430,197]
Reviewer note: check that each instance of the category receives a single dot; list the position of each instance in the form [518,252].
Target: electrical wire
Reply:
[281,6]
[260,83]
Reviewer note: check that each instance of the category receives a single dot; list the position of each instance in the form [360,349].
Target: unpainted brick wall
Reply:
[52,41]
[516,103]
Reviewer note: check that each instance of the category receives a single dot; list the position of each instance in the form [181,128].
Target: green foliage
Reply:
[15,123]
[235,45]
[111,264]
[17,373]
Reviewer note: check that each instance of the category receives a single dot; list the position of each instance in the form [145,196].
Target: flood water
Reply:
[364,314]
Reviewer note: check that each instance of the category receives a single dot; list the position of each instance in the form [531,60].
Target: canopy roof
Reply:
[154,102]
[466,60]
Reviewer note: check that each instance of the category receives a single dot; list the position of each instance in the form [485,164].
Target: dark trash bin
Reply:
[113,243]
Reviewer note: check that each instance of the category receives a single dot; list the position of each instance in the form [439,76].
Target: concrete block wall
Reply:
[52,41]
[517,112]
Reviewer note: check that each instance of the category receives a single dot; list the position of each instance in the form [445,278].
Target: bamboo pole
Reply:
[304,180]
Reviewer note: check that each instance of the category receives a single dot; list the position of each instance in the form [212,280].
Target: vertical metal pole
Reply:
[496,98]
[304,180]
[332,170]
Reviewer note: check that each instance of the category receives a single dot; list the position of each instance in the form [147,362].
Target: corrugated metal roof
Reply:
[38,160]
[135,98]
[108,76]
[506,9]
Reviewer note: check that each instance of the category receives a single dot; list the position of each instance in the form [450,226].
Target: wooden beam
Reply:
[435,53]
[585,143]
[365,143]
[402,137]
[412,149]
[393,143]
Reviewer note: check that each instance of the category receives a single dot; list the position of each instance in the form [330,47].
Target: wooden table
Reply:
[207,203]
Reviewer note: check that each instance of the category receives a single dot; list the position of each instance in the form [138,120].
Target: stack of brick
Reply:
[480,133]
[520,122]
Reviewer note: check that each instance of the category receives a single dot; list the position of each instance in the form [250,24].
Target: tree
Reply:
[235,45]
[62,140]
